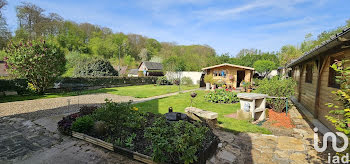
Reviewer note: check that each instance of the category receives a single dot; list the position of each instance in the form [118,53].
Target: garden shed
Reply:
[315,78]
[151,68]
[231,75]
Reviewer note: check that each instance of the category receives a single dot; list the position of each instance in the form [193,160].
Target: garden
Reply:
[131,129]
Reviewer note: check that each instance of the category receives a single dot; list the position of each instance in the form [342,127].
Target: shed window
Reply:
[215,73]
[308,78]
[332,74]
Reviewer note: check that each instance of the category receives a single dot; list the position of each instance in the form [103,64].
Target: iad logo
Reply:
[334,141]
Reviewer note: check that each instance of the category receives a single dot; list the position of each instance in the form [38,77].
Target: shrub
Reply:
[40,62]
[340,115]
[19,85]
[222,96]
[162,80]
[177,142]
[279,88]
[97,67]
[86,110]
[83,124]
[186,81]
[208,78]
[119,115]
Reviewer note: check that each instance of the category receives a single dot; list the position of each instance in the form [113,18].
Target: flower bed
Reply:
[144,134]
[222,96]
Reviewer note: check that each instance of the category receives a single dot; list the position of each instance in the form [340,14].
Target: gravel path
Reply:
[34,109]
[54,106]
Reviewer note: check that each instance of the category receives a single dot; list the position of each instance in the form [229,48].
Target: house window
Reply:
[332,74]
[308,78]
[223,73]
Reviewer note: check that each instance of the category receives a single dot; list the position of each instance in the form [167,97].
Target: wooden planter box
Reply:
[141,157]
[134,155]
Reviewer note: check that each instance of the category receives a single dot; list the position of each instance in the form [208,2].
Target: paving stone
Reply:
[290,144]
[226,156]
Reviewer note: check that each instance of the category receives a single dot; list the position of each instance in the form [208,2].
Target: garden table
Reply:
[253,104]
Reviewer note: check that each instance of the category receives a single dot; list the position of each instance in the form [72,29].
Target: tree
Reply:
[41,62]
[5,34]
[153,48]
[264,66]
[288,53]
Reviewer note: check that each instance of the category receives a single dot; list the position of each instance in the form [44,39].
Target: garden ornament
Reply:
[246,107]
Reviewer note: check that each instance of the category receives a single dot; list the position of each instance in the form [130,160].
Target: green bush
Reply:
[222,96]
[97,67]
[277,87]
[119,116]
[19,85]
[177,142]
[162,80]
[40,62]
[83,124]
[186,81]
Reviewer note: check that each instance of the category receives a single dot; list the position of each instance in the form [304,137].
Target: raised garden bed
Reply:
[146,137]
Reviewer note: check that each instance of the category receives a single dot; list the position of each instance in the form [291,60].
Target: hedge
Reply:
[19,85]
[72,83]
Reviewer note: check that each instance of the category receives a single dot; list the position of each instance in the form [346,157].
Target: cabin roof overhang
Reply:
[226,64]
[334,41]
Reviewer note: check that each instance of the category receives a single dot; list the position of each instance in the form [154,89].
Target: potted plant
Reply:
[208,78]
[246,86]
[213,84]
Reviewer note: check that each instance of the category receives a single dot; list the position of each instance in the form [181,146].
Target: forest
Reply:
[82,42]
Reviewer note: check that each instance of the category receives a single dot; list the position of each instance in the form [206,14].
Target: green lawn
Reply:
[181,101]
[139,91]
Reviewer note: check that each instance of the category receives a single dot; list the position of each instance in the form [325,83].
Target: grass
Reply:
[139,91]
[181,101]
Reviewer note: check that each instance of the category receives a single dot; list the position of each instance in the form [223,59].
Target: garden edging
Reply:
[133,155]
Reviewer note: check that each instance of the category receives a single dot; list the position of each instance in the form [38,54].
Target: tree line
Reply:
[83,41]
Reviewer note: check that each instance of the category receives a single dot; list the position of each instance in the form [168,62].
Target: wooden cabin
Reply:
[232,75]
[315,78]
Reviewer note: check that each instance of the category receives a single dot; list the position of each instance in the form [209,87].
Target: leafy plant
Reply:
[186,81]
[83,124]
[222,96]
[340,115]
[246,85]
[96,67]
[177,142]
[40,62]
[162,80]
[208,78]
[277,87]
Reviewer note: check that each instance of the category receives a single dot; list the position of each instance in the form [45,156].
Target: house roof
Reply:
[152,65]
[334,41]
[123,69]
[226,64]
[133,71]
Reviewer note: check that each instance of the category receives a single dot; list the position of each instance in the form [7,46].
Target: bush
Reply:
[97,67]
[186,81]
[40,62]
[19,85]
[222,96]
[340,113]
[208,78]
[163,81]
[277,87]
[177,142]
[83,124]
[119,115]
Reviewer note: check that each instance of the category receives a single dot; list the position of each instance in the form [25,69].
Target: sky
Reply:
[226,25]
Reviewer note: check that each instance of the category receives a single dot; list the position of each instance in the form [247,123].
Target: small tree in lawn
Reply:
[40,62]
[264,66]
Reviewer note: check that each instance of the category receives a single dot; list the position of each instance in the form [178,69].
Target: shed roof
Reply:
[133,71]
[334,41]
[230,65]
[152,65]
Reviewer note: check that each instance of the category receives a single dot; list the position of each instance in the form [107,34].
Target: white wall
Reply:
[272,74]
[195,76]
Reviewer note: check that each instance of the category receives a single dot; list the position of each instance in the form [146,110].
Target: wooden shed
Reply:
[315,78]
[232,75]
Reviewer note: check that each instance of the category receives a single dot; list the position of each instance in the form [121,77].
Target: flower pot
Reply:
[207,86]
[212,87]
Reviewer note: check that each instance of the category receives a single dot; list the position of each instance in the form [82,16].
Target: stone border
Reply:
[133,155]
